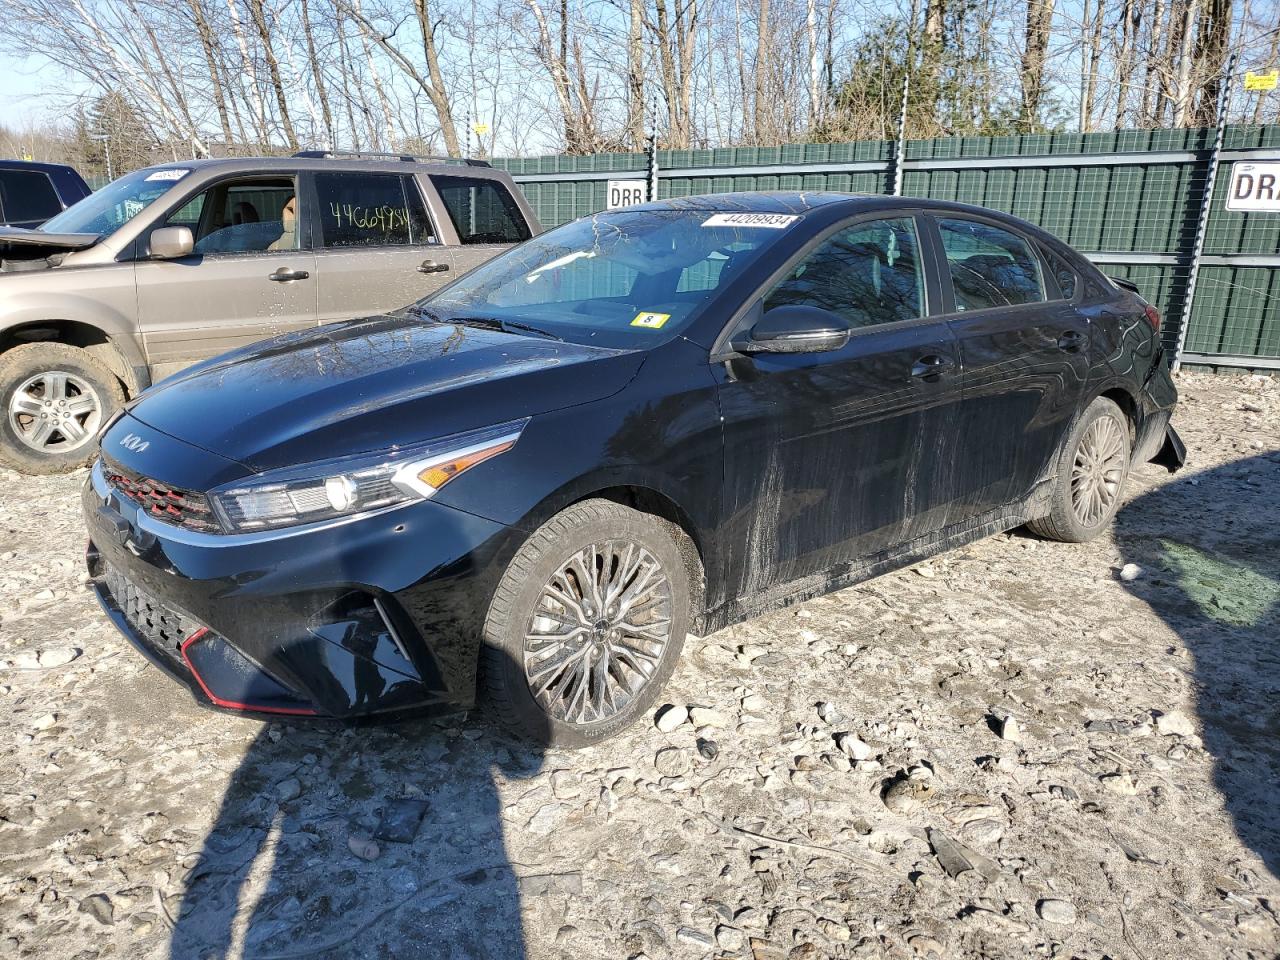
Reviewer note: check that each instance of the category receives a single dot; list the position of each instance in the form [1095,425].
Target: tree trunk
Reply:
[207,47]
[635,77]
[763,123]
[1211,59]
[436,91]
[1131,23]
[317,76]
[1039,24]
[1090,84]
[259,15]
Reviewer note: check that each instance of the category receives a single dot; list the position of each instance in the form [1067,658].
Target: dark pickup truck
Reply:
[31,193]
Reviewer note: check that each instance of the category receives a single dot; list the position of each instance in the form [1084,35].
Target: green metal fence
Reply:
[1128,199]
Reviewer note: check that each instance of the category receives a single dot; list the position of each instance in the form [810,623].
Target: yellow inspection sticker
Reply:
[651,320]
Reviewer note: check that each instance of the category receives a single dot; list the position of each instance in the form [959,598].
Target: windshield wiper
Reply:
[484,323]
[506,326]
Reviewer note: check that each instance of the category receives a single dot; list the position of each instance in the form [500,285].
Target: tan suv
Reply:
[179,262]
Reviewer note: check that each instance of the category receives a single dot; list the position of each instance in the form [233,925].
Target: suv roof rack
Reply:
[405,157]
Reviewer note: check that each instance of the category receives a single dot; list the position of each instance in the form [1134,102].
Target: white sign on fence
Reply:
[1255,186]
[625,193]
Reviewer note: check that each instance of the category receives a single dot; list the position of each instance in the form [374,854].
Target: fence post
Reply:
[651,153]
[1202,224]
[900,152]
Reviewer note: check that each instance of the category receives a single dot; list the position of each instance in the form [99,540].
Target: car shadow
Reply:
[1215,581]
[354,841]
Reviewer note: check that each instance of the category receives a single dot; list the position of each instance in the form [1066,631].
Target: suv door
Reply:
[1024,351]
[27,198]
[376,248]
[835,456]
[249,277]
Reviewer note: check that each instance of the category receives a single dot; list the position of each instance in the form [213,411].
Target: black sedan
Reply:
[533,484]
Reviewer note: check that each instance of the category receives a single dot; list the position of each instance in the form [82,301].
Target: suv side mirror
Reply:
[171,243]
[797,329]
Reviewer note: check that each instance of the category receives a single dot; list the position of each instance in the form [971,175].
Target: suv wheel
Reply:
[586,624]
[1091,473]
[54,399]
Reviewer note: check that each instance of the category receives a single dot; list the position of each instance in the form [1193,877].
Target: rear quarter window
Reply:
[482,211]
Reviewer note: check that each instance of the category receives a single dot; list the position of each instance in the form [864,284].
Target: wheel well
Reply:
[73,333]
[650,501]
[1128,406]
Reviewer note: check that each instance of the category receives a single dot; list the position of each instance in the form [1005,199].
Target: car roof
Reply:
[809,202]
[381,164]
[37,165]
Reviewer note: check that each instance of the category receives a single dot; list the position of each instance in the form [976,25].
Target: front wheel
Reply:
[54,398]
[586,624]
[1092,470]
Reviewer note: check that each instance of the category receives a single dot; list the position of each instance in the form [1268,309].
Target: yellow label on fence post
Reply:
[1261,81]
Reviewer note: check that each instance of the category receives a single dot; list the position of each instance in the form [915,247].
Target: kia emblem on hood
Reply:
[132,441]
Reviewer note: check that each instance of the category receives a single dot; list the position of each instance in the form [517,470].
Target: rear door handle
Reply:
[430,266]
[931,366]
[284,275]
[1071,340]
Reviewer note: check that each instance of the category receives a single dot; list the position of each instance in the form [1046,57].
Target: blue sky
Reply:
[23,82]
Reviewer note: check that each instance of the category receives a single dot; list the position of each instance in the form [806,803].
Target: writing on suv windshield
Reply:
[618,278]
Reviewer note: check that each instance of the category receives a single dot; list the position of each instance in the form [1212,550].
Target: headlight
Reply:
[335,488]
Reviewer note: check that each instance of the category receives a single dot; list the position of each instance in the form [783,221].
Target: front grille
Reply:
[182,508]
[161,627]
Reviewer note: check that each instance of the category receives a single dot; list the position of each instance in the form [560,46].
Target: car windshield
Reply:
[626,278]
[110,208]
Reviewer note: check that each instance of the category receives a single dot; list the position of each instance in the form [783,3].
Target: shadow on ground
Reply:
[281,874]
[1218,586]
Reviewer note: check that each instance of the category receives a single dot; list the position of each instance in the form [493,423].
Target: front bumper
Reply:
[372,615]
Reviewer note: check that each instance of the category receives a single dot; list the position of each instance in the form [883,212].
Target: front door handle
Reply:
[931,366]
[284,275]
[430,266]
[1071,340]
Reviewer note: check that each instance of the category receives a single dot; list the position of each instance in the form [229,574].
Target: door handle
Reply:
[284,275]
[430,266]
[1071,340]
[931,366]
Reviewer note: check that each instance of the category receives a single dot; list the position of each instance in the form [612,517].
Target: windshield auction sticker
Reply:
[653,321]
[168,174]
[771,221]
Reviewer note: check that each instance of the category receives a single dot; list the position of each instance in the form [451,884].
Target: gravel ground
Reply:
[1019,749]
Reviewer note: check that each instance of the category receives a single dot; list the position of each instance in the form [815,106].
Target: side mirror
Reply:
[171,243]
[797,329]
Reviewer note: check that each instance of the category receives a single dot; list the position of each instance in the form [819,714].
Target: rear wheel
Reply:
[1092,469]
[586,624]
[54,398]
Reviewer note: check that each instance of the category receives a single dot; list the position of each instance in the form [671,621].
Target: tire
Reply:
[87,398]
[520,607]
[1075,516]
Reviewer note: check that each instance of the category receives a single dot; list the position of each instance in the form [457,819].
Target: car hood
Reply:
[371,384]
[52,242]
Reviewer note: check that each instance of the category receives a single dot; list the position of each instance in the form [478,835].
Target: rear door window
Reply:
[371,210]
[482,211]
[989,266]
[27,195]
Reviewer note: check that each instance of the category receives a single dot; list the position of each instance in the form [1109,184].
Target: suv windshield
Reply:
[619,279]
[110,208]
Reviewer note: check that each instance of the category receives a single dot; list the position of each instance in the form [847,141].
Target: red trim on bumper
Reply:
[231,704]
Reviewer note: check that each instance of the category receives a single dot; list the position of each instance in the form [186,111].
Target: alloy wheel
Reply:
[598,632]
[55,412]
[1098,471]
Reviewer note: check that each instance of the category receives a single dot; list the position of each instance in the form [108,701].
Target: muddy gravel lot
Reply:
[1022,749]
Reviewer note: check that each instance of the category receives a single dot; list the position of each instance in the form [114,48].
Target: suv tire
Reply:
[46,389]
[617,635]
[1092,469]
